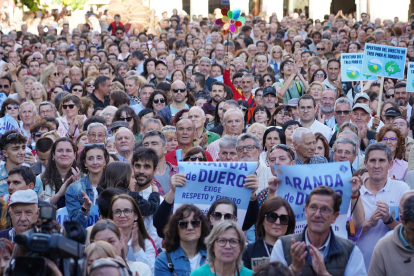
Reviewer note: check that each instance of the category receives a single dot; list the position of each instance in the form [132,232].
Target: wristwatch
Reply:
[389,221]
[83,209]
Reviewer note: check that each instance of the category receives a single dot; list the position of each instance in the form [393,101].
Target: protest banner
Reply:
[383,61]
[8,123]
[3,97]
[298,182]
[410,77]
[62,215]
[207,182]
[351,68]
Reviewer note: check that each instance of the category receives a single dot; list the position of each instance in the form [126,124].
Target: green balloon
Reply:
[241,19]
[230,14]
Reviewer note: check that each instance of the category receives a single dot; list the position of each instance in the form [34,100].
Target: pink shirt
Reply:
[398,169]
[64,127]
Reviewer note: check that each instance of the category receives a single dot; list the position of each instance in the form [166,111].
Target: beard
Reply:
[328,109]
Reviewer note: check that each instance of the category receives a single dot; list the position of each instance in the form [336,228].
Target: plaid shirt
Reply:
[317,159]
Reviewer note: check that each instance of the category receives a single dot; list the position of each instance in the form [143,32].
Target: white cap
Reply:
[24,196]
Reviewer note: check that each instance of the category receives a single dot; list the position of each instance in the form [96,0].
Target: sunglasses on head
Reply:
[176,90]
[272,218]
[128,119]
[195,158]
[10,107]
[11,135]
[183,224]
[65,106]
[162,100]
[38,134]
[218,216]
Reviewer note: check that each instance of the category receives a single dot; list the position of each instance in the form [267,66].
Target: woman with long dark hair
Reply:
[149,67]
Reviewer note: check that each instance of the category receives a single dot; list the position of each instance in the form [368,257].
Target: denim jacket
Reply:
[74,200]
[180,261]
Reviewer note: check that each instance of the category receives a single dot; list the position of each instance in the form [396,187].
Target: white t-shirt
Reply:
[195,261]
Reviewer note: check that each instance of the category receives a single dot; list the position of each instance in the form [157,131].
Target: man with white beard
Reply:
[326,108]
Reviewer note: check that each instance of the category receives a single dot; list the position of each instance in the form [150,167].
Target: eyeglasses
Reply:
[319,75]
[289,64]
[162,100]
[389,96]
[218,216]
[391,139]
[272,218]
[176,90]
[195,158]
[90,84]
[128,119]
[233,242]
[99,135]
[99,145]
[320,49]
[324,210]
[10,107]
[77,90]
[4,86]
[183,224]
[248,148]
[65,106]
[258,95]
[345,112]
[118,212]
[38,134]
[108,114]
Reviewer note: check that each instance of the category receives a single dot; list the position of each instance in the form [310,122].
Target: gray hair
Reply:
[378,146]
[41,55]
[232,102]
[377,33]
[230,111]
[92,125]
[345,140]
[29,78]
[228,141]
[246,136]
[219,229]
[28,103]
[248,75]
[62,59]
[110,107]
[151,120]
[353,135]
[342,100]
[298,133]
[349,125]
[156,133]
[205,59]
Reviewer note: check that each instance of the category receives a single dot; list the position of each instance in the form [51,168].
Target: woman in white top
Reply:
[60,172]
[124,211]
[105,233]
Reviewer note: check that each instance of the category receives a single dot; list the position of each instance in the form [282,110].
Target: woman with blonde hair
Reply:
[276,58]
[225,247]
[132,87]
[37,94]
[50,77]
[315,90]
[104,233]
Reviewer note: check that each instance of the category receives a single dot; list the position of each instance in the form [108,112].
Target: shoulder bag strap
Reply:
[170,263]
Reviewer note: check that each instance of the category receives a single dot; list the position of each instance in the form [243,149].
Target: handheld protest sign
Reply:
[351,68]
[381,80]
[209,181]
[298,182]
[384,61]
[410,77]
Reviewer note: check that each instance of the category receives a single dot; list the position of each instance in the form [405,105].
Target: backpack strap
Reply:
[170,263]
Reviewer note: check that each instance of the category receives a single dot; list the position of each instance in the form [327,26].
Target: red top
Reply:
[172,157]
[114,26]
[237,94]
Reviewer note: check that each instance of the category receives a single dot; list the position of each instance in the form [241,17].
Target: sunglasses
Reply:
[38,134]
[90,84]
[65,106]
[56,74]
[244,108]
[111,58]
[320,49]
[77,90]
[183,224]
[389,96]
[120,33]
[268,80]
[128,119]
[82,44]
[218,216]
[272,218]
[319,75]
[195,158]
[4,86]
[56,91]
[168,128]
[10,107]
[11,135]
[345,112]
[176,90]
[162,100]
[37,58]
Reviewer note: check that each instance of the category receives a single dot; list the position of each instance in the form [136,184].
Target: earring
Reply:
[53,159]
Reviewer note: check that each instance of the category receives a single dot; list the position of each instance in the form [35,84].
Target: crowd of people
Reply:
[101,116]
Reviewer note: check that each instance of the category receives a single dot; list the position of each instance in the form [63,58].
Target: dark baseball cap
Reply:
[119,124]
[269,90]
[392,112]
[160,62]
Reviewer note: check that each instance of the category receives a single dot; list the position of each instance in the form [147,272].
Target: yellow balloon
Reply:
[225,19]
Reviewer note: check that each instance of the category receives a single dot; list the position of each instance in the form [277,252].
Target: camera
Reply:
[44,241]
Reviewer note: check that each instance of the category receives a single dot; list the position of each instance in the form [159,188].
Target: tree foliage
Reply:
[32,5]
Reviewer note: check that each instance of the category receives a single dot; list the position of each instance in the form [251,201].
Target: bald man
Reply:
[124,144]
[186,132]
[202,136]
[179,97]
